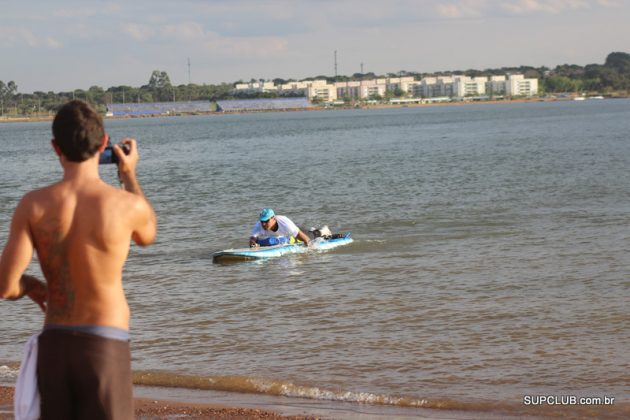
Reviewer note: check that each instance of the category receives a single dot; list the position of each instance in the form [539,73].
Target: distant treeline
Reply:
[612,77]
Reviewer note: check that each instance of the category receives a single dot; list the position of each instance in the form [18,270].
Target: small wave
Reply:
[9,372]
[479,409]
[284,389]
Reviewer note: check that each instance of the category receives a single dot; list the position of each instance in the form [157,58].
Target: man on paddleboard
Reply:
[273,230]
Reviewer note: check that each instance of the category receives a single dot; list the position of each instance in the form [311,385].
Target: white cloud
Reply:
[247,47]
[186,31]
[610,3]
[53,43]
[112,7]
[194,35]
[83,12]
[18,37]
[461,9]
[521,7]
[478,8]
[138,31]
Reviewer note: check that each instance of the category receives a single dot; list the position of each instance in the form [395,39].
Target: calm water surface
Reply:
[490,258]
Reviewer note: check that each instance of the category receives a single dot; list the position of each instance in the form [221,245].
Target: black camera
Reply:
[108,156]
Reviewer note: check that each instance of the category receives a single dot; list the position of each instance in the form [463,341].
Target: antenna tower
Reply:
[335,64]
[188,70]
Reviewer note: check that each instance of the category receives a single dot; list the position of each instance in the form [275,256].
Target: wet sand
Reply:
[157,409]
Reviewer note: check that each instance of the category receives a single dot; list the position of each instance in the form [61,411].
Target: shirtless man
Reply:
[81,229]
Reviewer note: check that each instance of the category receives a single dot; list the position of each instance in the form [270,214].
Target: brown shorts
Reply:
[84,376]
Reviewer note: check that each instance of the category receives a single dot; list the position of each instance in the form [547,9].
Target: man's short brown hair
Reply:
[78,130]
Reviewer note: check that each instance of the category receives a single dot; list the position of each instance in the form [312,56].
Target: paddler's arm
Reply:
[303,237]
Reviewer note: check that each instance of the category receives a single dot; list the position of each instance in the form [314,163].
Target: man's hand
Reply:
[127,162]
[36,290]
[39,296]
[127,166]
[253,243]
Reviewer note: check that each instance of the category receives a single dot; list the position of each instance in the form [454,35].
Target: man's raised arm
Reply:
[145,228]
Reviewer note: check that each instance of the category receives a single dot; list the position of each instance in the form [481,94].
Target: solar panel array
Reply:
[158,108]
[279,104]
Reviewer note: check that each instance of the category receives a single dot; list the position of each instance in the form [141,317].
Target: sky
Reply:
[64,45]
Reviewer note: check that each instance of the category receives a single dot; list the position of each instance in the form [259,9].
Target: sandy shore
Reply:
[157,409]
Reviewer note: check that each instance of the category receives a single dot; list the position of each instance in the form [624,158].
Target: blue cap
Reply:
[266,214]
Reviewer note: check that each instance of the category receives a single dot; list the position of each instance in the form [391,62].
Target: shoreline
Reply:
[313,108]
[150,408]
[169,403]
[162,403]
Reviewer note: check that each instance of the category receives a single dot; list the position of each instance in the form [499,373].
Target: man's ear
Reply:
[56,147]
[104,143]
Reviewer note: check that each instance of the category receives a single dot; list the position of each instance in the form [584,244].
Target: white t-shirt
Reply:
[285,228]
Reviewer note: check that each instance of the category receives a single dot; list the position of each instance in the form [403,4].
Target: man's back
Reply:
[81,230]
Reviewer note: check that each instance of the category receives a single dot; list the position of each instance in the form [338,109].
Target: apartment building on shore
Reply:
[454,87]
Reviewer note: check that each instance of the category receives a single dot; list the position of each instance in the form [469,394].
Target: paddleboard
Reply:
[264,252]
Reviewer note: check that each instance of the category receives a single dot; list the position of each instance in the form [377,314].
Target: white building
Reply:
[445,86]
[458,86]
[254,87]
[517,85]
[348,89]
[399,83]
[427,88]
[366,89]
[464,86]
[296,86]
[372,89]
[496,86]
[323,91]
[308,88]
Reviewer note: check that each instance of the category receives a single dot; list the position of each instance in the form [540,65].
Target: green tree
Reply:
[159,80]
[562,84]
[96,95]
[122,94]
[571,71]
[619,61]
[160,86]
[6,93]
[279,81]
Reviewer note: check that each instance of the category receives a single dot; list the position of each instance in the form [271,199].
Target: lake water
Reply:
[490,259]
